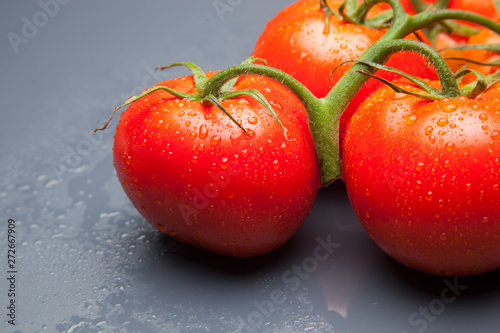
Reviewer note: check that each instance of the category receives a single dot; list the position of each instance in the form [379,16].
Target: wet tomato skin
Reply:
[296,42]
[194,175]
[423,178]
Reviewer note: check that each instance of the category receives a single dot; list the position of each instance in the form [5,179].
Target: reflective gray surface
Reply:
[86,261]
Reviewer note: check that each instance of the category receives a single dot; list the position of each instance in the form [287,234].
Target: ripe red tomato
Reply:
[295,42]
[483,7]
[454,58]
[485,36]
[423,178]
[192,173]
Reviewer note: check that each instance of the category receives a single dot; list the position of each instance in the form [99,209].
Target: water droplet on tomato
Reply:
[252,120]
[443,122]
[192,135]
[251,133]
[276,164]
[443,237]
[187,123]
[343,46]
[215,140]
[180,113]
[236,137]
[475,107]
[411,120]
[160,228]
[224,163]
[192,113]
[201,147]
[450,108]
[483,116]
[203,132]
[432,139]
[450,146]
[495,135]
[428,130]
[428,196]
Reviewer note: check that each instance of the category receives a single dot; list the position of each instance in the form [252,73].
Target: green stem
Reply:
[327,149]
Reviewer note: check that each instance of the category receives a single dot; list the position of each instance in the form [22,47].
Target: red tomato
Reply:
[192,173]
[423,178]
[295,42]
[482,7]
[485,36]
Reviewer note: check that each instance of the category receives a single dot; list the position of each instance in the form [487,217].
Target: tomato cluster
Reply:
[238,175]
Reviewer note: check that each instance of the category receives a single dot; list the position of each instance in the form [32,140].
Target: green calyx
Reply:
[353,12]
[202,95]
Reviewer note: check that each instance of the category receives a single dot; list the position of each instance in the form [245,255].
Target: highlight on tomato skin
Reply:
[196,176]
[424,179]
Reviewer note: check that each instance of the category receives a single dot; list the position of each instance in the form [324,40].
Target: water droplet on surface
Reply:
[483,117]
[428,130]
[450,146]
[224,163]
[443,122]
[411,120]
[203,132]
[495,135]
[215,140]
[450,108]
[252,120]
[192,135]
[276,164]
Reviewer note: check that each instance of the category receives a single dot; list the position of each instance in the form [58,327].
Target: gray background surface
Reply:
[85,259]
